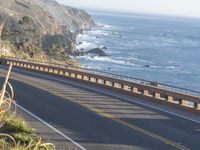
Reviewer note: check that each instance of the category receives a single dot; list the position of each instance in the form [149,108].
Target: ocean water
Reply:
[156,48]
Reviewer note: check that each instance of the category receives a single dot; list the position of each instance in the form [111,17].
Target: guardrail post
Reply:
[32,67]
[170,99]
[46,69]
[157,95]
[125,87]
[99,81]
[86,78]
[55,71]
[146,92]
[107,83]
[50,70]
[183,102]
[41,68]
[79,76]
[60,72]
[197,106]
[72,75]
[91,79]
[134,89]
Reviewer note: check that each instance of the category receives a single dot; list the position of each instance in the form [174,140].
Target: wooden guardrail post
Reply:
[197,106]
[146,92]
[170,99]
[125,87]
[157,95]
[183,102]
[134,89]
[107,83]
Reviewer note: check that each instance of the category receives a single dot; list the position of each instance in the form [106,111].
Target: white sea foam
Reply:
[91,67]
[106,59]
[106,26]
[171,67]
[154,66]
[80,36]
[161,66]
[98,32]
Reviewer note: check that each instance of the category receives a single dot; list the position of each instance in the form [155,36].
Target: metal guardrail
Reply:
[115,76]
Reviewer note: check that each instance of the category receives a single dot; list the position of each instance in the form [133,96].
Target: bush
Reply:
[27,20]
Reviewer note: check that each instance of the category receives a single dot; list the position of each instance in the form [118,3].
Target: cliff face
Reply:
[36,28]
[74,19]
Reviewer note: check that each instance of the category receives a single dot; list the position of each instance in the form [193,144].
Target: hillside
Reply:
[41,29]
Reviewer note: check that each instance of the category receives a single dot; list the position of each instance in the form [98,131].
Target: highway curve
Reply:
[97,120]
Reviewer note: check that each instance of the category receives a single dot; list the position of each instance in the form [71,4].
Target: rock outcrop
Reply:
[97,51]
[41,28]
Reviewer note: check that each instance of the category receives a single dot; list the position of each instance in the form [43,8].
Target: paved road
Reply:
[99,121]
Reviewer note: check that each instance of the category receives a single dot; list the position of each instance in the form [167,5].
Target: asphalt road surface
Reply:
[101,119]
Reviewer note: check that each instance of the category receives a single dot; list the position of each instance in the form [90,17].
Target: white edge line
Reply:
[50,126]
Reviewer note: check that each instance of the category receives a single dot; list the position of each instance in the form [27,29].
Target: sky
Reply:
[189,8]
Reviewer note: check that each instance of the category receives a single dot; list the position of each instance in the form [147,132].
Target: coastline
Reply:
[142,50]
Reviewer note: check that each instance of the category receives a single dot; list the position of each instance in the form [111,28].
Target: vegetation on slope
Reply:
[19,136]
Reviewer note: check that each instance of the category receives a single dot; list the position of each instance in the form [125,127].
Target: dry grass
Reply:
[14,132]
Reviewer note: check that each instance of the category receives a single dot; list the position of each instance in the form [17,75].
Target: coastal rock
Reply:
[97,51]
[79,43]
[147,66]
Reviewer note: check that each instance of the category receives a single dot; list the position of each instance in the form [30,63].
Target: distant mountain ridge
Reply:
[41,27]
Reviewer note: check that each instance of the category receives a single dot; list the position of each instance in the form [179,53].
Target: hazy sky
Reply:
[168,7]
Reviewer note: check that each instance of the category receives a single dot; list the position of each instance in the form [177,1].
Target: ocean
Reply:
[156,48]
